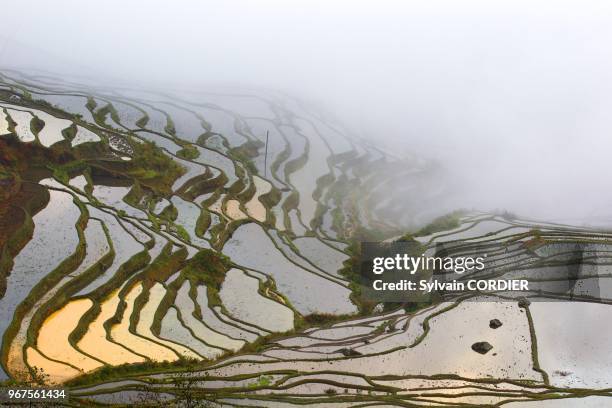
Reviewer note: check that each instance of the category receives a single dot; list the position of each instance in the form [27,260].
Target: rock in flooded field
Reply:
[482,347]
[495,323]
[348,352]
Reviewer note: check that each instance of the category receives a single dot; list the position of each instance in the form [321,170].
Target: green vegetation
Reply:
[154,169]
[70,132]
[170,128]
[262,381]
[91,104]
[100,114]
[36,125]
[443,223]
[246,153]
[188,152]
[208,267]
[202,223]
[182,233]
[142,122]
[106,373]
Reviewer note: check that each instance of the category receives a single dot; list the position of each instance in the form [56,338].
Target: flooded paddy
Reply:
[217,206]
[193,170]
[577,402]
[309,293]
[188,214]
[57,372]
[254,207]
[240,297]
[573,342]
[296,224]
[282,245]
[172,329]
[4,125]
[124,245]
[121,334]
[78,182]
[305,179]
[128,114]
[157,119]
[187,308]
[70,103]
[265,129]
[212,158]
[97,246]
[51,133]
[112,196]
[297,144]
[22,127]
[467,324]
[163,142]
[95,341]
[53,336]
[53,239]
[223,123]
[145,321]
[323,256]
[128,397]
[233,211]
[187,125]
[212,320]
[84,135]
[223,315]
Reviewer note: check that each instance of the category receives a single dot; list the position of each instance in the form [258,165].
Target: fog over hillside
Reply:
[511,99]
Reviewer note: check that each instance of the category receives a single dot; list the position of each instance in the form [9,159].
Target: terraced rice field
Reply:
[149,231]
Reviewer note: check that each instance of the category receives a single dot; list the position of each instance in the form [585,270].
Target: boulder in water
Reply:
[482,347]
[495,323]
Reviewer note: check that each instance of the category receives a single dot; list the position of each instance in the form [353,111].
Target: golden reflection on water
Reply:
[95,343]
[57,372]
[233,210]
[53,335]
[254,207]
[121,333]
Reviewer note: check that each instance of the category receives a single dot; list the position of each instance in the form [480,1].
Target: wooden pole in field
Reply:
[266,156]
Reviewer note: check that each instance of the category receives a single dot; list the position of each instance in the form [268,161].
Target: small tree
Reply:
[185,385]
